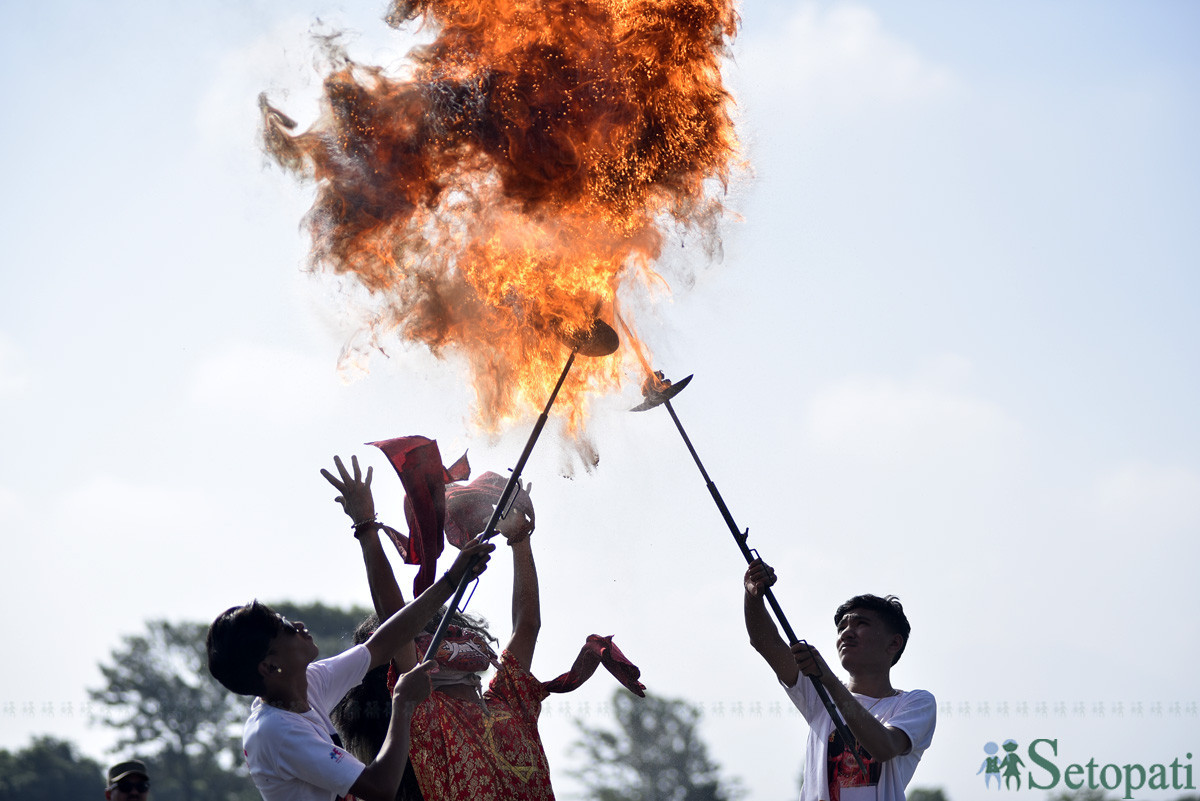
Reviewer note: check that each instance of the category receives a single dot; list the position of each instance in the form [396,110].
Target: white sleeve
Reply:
[304,755]
[916,718]
[804,697]
[330,679]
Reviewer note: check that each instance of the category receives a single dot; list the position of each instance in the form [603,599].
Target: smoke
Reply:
[529,163]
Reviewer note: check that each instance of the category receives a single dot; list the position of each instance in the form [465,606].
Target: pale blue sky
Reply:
[951,353]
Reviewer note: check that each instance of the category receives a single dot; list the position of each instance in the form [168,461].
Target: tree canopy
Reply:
[160,698]
[656,754]
[49,769]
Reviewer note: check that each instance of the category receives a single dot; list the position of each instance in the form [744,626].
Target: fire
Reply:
[523,171]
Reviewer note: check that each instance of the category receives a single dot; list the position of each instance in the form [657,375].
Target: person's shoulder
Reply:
[512,676]
[263,727]
[510,662]
[354,660]
[916,700]
[258,711]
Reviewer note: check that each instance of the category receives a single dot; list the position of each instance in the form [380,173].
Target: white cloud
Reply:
[267,384]
[839,58]
[14,379]
[1143,498]
[10,505]
[904,422]
[107,505]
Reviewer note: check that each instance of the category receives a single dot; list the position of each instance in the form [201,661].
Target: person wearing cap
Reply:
[288,739]
[128,781]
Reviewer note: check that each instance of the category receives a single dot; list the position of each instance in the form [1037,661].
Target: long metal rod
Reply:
[514,483]
[740,538]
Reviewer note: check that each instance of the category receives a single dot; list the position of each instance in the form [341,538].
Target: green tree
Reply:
[656,754]
[49,769]
[1081,795]
[161,699]
[332,627]
[159,695]
[926,794]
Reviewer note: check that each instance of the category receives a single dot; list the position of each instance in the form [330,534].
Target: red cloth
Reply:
[460,649]
[460,752]
[598,651]
[472,502]
[418,462]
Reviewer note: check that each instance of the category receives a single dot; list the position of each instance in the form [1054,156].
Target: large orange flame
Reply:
[522,171]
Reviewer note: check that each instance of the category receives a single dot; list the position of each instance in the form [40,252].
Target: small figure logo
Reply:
[990,767]
[1010,764]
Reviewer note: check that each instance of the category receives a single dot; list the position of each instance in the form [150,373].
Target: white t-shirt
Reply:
[291,755]
[913,712]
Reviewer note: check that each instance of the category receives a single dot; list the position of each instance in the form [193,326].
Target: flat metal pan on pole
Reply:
[658,391]
[599,340]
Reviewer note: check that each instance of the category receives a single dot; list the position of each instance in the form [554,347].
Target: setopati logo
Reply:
[1042,768]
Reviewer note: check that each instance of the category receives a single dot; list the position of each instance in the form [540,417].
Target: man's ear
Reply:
[895,645]
[108,794]
[265,669]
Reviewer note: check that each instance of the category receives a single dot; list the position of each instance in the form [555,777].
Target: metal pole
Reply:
[740,538]
[514,483]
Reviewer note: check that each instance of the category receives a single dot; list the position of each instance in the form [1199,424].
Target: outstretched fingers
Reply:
[338,485]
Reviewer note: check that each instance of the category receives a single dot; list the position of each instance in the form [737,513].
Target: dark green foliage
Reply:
[332,628]
[655,755]
[1081,795]
[159,696]
[925,794]
[49,769]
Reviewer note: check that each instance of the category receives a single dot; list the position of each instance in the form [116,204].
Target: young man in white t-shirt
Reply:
[288,739]
[892,727]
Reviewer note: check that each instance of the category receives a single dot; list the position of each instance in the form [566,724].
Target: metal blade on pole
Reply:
[601,340]
[658,392]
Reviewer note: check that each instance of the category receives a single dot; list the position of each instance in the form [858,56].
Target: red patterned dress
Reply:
[460,752]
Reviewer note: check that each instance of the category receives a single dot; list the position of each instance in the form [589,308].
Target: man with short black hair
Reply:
[892,727]
[288,738]
[128,781]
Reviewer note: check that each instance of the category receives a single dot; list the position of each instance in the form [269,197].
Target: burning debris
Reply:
[500,195]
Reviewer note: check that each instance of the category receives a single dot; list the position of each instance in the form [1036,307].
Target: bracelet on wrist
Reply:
[358,527]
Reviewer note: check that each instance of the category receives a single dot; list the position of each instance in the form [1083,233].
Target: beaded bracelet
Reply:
[363,523]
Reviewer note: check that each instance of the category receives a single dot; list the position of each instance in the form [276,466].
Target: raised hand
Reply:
[759,576]
[809,660]
[473,558]
[355,498]
[518,524]
[415,685]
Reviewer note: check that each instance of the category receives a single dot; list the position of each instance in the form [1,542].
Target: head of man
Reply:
[872,631]
[251,646]
[128,781]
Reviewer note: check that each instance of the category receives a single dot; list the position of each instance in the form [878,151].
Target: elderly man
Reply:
[128,781]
